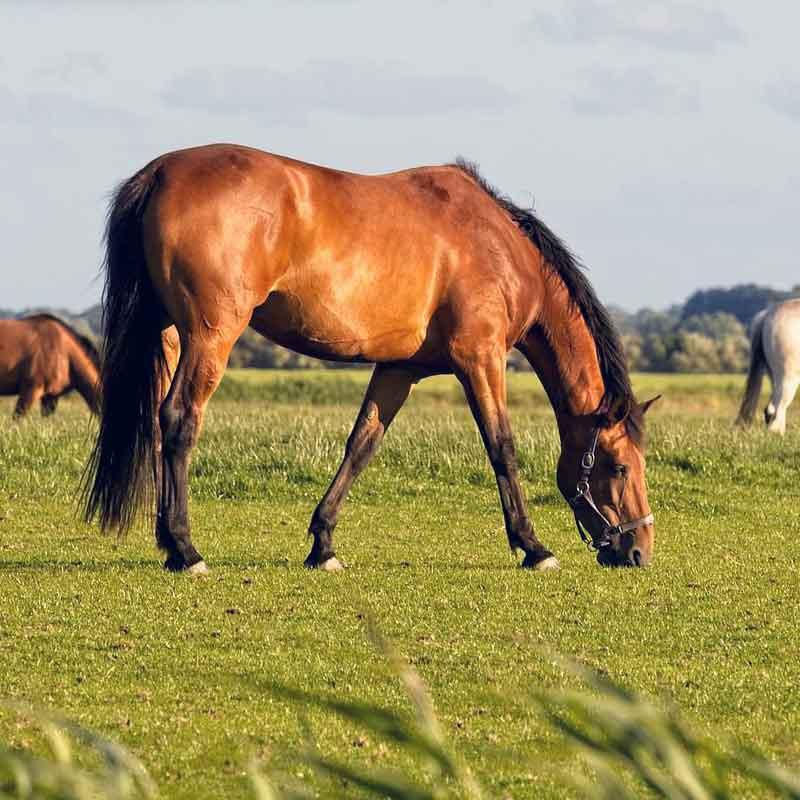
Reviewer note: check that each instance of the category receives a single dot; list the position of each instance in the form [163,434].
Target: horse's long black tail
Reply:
[119,476]
[755,375]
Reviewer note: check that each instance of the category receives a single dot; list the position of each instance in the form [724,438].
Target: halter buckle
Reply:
[604,542]
[587,460]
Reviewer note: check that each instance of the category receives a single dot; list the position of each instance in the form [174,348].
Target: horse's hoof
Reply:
[331,565]
[551,562]
[541,565]
[198,570]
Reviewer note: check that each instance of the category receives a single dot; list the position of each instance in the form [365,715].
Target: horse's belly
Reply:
[307,325]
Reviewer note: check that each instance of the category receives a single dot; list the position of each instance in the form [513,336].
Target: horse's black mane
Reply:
[613,364]
[86,344]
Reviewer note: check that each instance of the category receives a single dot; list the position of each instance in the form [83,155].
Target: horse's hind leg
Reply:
[784,389]
[170,345]
[28,397]
[200,369]
[484,381]
[388,389]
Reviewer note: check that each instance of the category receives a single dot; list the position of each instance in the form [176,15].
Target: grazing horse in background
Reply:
[42,358]
[425,271]
[774,349]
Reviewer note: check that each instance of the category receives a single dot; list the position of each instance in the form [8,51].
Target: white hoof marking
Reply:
[198,570]
[331,565]
[551,562]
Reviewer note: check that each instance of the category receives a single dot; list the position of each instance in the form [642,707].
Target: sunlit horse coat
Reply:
[425,271]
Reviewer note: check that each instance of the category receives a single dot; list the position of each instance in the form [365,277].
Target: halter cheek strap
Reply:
[601,532]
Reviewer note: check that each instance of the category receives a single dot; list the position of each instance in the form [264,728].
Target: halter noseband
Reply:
[601,532]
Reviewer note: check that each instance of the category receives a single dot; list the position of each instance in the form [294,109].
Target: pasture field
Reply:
[181,670]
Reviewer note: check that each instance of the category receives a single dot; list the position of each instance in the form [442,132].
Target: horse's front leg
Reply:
[388,389]
[29,395]
[49,404]
[484,382]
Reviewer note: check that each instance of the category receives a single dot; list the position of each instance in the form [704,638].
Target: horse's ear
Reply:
[645,406]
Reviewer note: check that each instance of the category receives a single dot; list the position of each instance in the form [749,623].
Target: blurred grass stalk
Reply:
[618,734]
[615,731]
[60,774]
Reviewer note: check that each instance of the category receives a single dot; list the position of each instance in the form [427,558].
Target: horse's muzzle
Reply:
[629,555]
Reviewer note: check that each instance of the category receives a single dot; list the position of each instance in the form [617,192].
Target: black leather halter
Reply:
[598,533]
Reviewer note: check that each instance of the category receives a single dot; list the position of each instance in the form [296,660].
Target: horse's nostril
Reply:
[636,557]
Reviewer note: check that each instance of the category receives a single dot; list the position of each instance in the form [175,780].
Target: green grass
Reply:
[179,671]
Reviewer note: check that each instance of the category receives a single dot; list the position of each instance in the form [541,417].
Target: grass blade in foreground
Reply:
[423,737]
[59,776]
[614,728]
[610,726]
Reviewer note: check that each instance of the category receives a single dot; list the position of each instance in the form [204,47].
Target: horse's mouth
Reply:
[609,557]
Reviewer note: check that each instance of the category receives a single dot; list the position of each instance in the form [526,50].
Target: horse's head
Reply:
[601,473]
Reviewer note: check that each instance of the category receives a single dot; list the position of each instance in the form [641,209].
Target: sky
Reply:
[659,139]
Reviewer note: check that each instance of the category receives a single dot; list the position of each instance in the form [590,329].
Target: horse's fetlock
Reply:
[322,522]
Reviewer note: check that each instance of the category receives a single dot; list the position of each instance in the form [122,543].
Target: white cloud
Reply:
[630,91]
[664,25]
[73,68]
[384,90]
[784,97]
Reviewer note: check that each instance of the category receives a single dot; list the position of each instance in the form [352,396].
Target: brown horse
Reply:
[42,359]
[423,272]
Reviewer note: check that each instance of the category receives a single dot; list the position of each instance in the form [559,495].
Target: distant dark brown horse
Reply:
[42,358]
[424,271]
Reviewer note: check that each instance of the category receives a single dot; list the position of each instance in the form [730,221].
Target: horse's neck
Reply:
[564,355]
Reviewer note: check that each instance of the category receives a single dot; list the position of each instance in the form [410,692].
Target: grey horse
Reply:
[774,349]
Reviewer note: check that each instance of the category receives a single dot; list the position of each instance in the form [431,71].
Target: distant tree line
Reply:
[667,342]
[708,333]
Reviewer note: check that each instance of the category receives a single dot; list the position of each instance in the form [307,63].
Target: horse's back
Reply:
[334,264]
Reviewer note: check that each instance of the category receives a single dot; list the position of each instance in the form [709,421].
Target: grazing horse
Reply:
[425,271]
[774,349]
[42,358]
